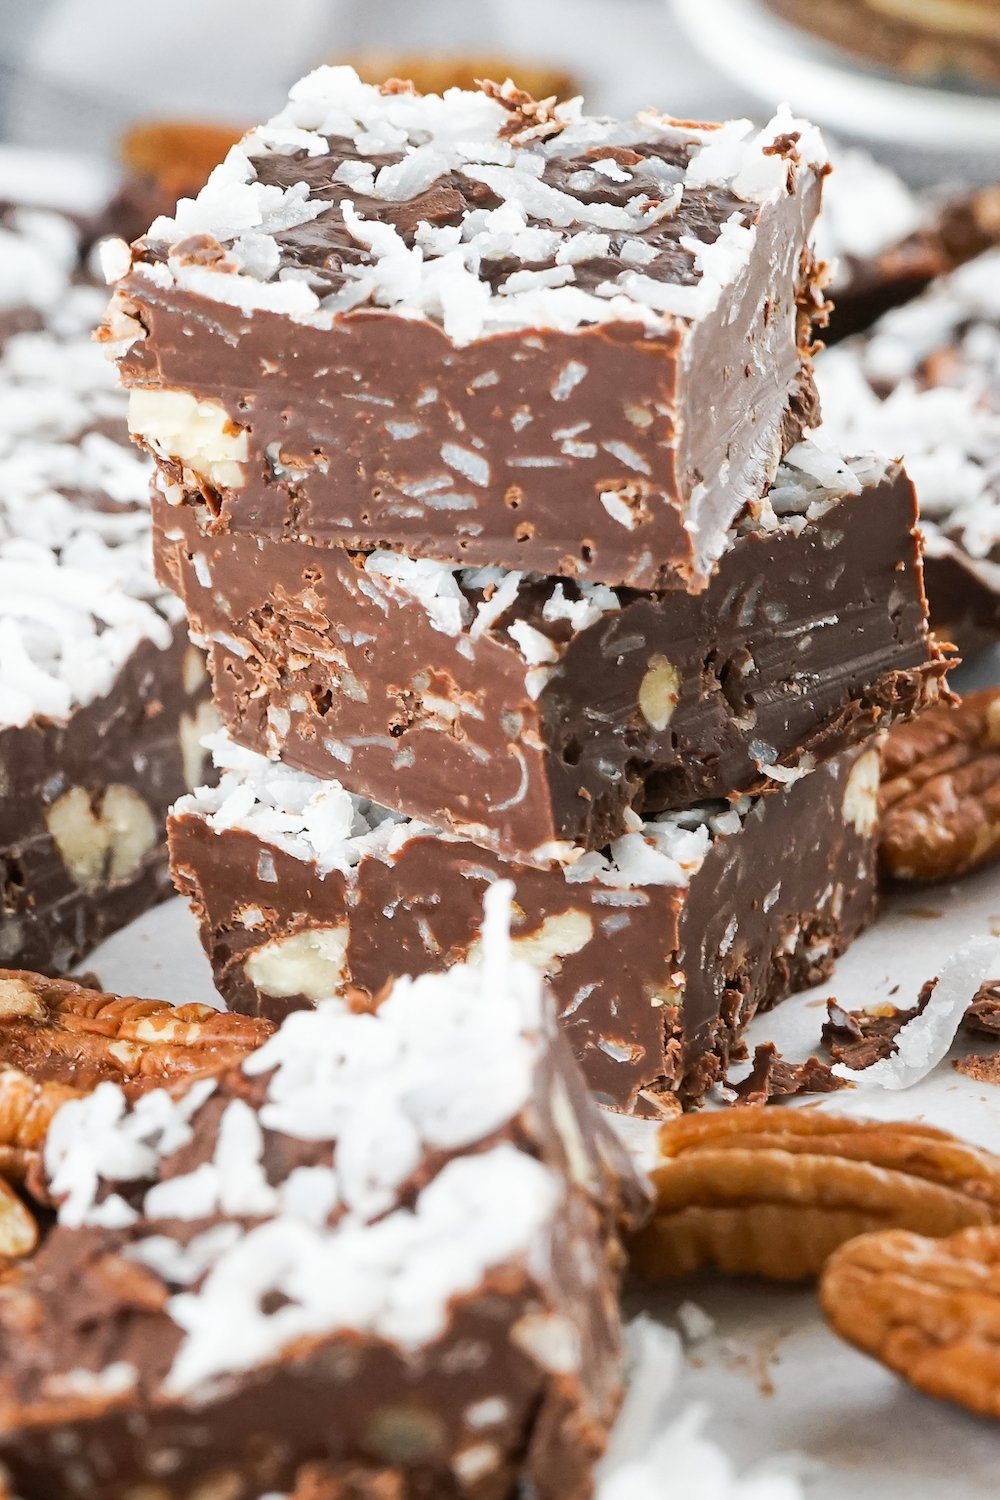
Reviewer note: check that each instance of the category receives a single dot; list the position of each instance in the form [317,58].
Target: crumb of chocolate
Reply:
[771,1077]
[983,1015]
[859,1038]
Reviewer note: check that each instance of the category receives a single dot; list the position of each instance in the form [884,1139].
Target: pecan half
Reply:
[927,1308]
[176,155]
[57,1031]
[771,1193]
[940,795]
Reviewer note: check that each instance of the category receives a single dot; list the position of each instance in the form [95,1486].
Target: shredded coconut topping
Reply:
[446,1062]
[550,226]
[922,386]
[867,208]
[321,822]
[77,593]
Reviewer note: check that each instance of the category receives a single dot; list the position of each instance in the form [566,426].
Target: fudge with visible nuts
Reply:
[379,1247]
[102,700]
[658,950]
[527,712]
[924,383]
[481,329]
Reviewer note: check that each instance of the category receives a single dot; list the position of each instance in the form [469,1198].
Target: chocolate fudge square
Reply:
[658,950]
[102,699]
[480,329]
[384,1249]
[528,713]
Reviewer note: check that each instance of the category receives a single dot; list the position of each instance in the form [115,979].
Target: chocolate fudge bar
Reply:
[658,950]
[102,699]
[925,384]
[481,329]
[527,712]
[885,242]
[946,40]
[384,1248]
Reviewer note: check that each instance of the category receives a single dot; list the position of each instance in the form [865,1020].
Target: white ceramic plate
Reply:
[773,60]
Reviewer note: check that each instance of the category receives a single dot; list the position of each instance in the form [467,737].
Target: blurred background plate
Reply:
[768,57]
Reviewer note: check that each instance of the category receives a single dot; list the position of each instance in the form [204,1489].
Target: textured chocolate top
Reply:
[481,210]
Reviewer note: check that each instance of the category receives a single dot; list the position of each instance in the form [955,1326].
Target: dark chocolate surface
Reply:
[801,645]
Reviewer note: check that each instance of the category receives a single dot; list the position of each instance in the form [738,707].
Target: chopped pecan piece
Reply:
[57,1031]
[927,1308]
[940,794]
[771,1077]
[774,1192]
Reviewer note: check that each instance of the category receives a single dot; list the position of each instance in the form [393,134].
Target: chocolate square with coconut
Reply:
[658,949]
[481,329]
[529,713]
[102,700]
[384,1247]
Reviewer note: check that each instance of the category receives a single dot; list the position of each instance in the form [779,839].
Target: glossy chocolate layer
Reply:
[142,736]
[654,982]
[804,642]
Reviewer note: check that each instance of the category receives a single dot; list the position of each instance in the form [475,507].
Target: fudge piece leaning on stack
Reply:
[102,700]
[924,382]
[379,1255]
[481,473]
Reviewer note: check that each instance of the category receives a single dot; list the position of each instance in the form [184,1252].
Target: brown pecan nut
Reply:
[763,1192]
[177,155]
[940,794]
[57,1031]
[927,1308]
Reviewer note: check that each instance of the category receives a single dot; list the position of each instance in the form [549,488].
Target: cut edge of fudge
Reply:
[417,245]
[377,1226]
[658,950]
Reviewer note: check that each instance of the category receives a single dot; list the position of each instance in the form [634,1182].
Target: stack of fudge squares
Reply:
[488,472]
[103,702]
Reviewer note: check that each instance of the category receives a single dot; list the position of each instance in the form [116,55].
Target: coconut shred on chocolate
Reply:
[480,329]
[102,699]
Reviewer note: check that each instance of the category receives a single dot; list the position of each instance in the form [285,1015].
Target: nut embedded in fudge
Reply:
[923,383]
[480,329]
[102,700]
[526,713]
[658,951]
[387,1241]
